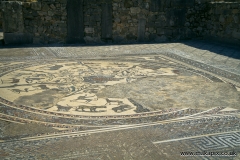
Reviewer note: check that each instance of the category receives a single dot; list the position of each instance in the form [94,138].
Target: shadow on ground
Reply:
[224,49]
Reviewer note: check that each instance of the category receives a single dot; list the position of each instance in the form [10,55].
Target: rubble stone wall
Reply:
[45,20]
[158,21]
[224,22]
[219,21]
[35,22]
[126,21]
[92,20]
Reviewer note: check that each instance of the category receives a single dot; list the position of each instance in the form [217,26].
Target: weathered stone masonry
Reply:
[36,22]
[224,22]
[119,21]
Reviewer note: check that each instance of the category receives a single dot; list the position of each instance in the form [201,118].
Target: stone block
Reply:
[135,10]
[236,35]
[150,24]
[90,40]
[17,38]
[155,5]
[235,11]
[189,3]
[180,17]
[152,37]
[145,5]
[89,30]
[106,20]
[160,31]
[50,13]
[52,6]
[168,32]
[26,5]
[128,4]
[118,39]
[41,13]
[36,41]
[36,6]
[45,8]
[141,29]
[181,3]
[160,39]
[131,37]
[12,17]
[117,20]
[236,19]
[75,25]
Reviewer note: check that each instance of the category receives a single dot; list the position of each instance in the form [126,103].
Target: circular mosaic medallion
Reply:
[128,85]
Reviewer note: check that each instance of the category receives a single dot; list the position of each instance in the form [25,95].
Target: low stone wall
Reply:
[121,21]
[149,20]
[92,11]
[224,22]
[34,22]
[219,21]
[1,16]
[13,24]
[138,20]
[1,20]
[46,20]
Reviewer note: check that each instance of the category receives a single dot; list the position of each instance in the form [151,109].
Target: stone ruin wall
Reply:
[1,16]
[133,21]
[158,21]
[223,23]
[92,20]
[34,22]
[46,20]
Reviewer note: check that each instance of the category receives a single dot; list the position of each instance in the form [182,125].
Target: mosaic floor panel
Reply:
[64,104]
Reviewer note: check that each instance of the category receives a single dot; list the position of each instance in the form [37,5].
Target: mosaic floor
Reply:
[155,101]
